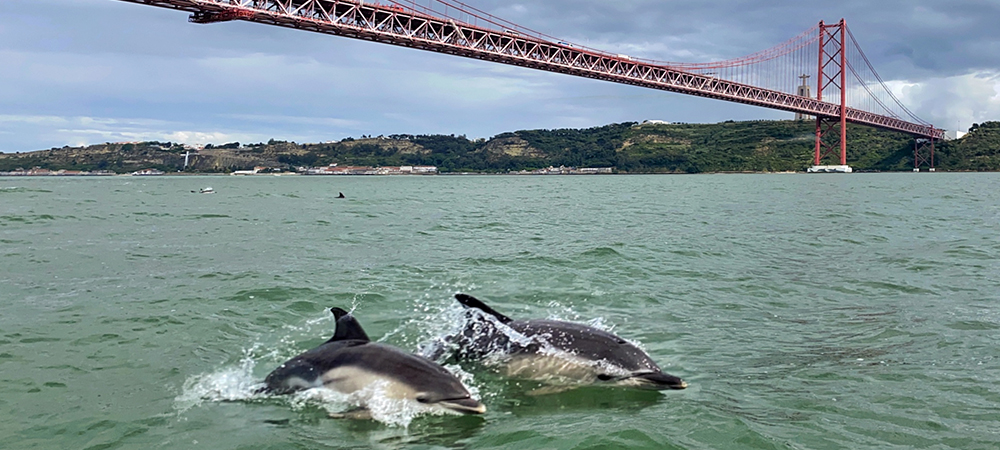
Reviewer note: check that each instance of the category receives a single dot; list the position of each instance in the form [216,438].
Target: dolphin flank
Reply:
[554,351]
[349,362]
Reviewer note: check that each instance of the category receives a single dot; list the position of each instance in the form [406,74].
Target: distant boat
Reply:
[207,190]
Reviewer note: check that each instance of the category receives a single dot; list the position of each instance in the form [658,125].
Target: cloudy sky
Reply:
[76,72]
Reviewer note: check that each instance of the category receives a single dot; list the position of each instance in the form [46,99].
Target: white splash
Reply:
[382,408]
[225,385]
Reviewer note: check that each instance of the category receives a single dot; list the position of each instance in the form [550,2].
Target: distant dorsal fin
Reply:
[348,327]
[469,301]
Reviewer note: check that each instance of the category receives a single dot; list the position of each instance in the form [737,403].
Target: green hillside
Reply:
[977,151]
[758,146]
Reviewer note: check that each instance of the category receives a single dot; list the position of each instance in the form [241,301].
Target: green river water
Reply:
[805,311]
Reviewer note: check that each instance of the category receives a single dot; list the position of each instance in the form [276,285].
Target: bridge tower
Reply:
[831,131]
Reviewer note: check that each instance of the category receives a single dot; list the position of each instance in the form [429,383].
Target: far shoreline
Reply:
[450,174]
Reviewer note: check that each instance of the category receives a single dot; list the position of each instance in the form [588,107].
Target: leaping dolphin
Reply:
[554,351]
[350,362]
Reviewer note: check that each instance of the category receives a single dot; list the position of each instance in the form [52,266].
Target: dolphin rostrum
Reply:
[350,362]
[553,351]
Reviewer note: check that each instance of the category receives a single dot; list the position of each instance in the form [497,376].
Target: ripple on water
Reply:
[275,294]
[602,253]
[796,329]
[519,259]
[19,190]
[973,325]
[29,219]
[207,216]
[104,434]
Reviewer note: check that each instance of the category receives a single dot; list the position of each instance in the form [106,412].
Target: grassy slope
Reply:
[757,146]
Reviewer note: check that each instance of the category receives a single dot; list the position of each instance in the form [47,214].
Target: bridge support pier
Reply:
[836,146]
[923,154]
[831,140]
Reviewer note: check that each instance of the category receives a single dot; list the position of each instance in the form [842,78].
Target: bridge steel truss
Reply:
[832,73]
[923,153]
[392,24]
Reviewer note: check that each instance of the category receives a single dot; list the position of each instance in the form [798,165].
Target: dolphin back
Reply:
[587,342]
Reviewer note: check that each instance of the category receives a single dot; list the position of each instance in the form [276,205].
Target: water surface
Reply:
[805,311]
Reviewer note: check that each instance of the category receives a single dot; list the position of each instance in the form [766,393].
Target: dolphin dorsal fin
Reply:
[469,301]
[348,327]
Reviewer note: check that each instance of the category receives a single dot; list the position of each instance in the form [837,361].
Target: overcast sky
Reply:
[76,72]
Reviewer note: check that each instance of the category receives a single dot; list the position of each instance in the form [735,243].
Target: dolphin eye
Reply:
[605,377]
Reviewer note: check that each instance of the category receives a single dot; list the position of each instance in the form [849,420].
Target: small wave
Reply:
[972,325]
[602,252]
[492,226]
[18,189]
[520,258]
[209,216]
[274,294]
[30,219]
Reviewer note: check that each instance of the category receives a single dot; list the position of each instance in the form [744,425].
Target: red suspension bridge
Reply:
[847,87]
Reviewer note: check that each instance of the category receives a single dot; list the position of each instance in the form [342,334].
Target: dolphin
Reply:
[349,362]
[553,351]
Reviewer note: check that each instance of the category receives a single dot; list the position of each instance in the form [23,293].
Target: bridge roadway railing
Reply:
[392,24]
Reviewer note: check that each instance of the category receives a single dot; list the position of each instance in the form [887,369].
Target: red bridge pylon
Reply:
[832,78]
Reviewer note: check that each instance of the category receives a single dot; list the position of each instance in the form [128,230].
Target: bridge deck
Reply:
[391,24]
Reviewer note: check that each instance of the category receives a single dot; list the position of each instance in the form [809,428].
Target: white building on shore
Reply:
[951,135]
